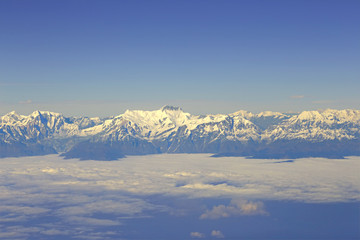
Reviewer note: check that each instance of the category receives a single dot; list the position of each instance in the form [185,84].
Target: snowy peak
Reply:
[347,115]
[45,113]
[328,116]
[171,122]
[310,115]
[12,113]
[149,125]
[318,126]
[172,130]
[242,113]
[37,126]
[170,108]
[11,118]
[165,115]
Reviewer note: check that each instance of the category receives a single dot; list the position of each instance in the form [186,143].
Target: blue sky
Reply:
[102,57]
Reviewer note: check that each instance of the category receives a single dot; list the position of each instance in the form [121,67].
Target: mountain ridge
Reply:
[171,130]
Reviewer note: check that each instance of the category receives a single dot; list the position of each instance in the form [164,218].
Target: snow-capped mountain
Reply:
[317,126]
[42,125]
[171,122]
[172,130]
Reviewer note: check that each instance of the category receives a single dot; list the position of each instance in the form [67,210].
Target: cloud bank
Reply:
[88,195]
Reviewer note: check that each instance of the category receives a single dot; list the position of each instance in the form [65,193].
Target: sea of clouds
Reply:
[47,197]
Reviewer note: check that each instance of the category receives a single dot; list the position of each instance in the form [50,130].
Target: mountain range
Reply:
[329,133]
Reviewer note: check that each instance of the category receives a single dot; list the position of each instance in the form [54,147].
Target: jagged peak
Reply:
[35,113]
[310,115]
[11,117]
[242,113]
[170,108]
[173,114]
[12,113]
[129,112]
[164,111]
[345,115]
[346,111]
[38,112]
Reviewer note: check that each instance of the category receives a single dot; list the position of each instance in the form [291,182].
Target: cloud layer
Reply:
[50,192]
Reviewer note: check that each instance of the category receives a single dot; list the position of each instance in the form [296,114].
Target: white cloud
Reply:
[250,208]
[197,235]
[83,192]
[235,208]
[217,234]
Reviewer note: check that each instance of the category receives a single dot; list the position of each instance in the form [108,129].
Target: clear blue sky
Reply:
[86,57]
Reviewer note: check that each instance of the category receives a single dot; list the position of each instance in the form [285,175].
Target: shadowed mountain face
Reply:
[329,133]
